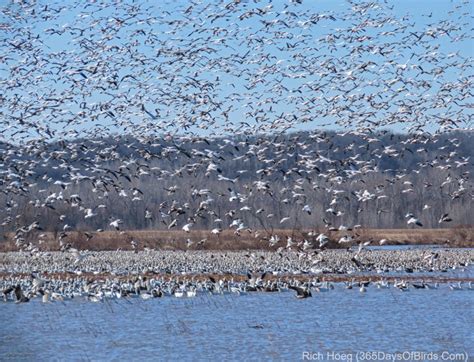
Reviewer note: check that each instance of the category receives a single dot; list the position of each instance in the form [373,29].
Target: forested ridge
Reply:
[290,181]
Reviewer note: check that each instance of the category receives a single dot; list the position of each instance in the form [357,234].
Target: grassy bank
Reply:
[228,240]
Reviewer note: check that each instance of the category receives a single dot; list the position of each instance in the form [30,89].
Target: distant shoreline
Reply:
[247,240]
[333,278]
[447,265]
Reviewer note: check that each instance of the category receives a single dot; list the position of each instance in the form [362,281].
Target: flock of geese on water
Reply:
[337,262]
[22,290]
[99,98]
[152,274]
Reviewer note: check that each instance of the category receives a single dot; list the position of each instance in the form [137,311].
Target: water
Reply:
[457,273]
[259,326]
[405,247]
[410,247]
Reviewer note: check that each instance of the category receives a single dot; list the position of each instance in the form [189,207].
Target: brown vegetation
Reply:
[228,240]
[334,278]
[443,188]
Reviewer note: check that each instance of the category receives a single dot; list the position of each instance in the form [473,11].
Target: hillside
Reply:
[344,179]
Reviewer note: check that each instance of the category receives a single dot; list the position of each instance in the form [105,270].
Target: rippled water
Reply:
[258,326]
[411,247]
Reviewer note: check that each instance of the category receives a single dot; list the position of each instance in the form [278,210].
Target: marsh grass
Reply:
[203,239]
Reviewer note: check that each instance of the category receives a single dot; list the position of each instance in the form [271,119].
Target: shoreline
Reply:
[460,237]
[327,265]
[303,278]
[97,276]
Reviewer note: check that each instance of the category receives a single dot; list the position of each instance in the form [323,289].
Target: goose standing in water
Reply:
[419,286]
[20,297]
[44,295]
[429,286]
[301,292]
[402,286]
[179,293]
[191,292]
[455,286]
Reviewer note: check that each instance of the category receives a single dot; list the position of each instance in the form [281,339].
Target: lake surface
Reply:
[258,326]
[410,247]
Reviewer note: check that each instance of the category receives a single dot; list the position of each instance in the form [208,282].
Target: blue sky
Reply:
[169,118]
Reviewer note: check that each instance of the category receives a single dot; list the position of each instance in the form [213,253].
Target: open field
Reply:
[228,240]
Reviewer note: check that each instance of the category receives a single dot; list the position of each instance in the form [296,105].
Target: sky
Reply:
[163,114]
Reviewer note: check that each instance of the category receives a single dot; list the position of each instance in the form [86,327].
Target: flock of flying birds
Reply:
[192,87]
